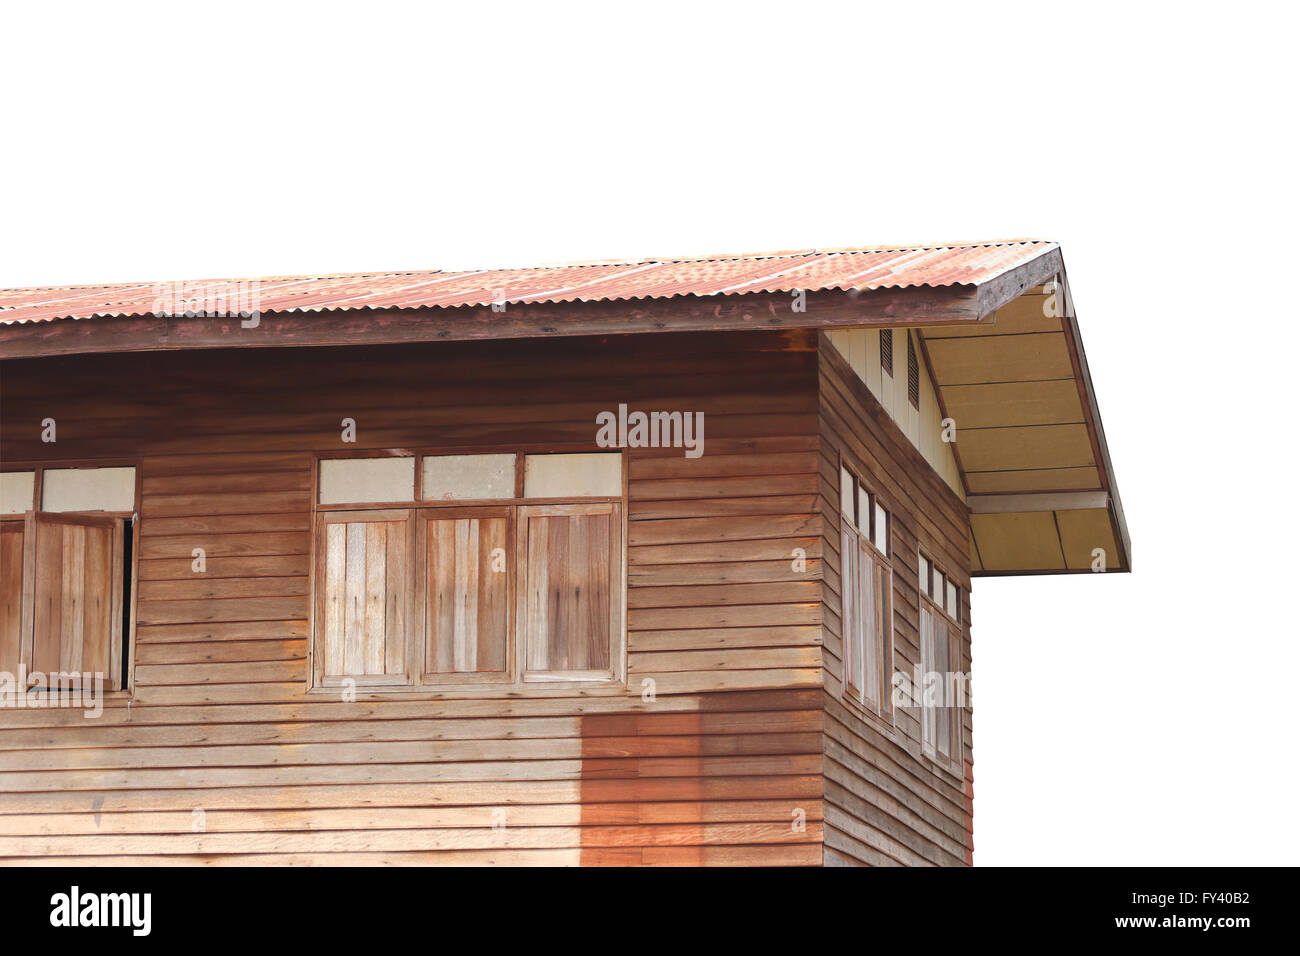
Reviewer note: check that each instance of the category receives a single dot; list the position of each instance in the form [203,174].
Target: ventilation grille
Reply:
[887,351]
[913,375]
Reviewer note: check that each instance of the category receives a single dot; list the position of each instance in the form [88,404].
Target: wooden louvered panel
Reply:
[77,588]
[12,541]
[850,616]
[569,615]
[364,597]
[467,596]
[913,374]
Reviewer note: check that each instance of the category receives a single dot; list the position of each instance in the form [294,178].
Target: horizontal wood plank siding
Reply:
[721,766]
[885,803]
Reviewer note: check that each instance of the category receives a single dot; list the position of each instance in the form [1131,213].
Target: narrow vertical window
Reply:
[942,689]
[865,598]
[887,351]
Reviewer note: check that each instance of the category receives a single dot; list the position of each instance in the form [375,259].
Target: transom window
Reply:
[498,569]
[866,591]
[943,687]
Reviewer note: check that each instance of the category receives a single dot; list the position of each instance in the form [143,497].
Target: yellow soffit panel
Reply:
[1029,443]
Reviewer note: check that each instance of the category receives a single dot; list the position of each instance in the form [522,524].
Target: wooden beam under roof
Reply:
[1064,501]
[922,306]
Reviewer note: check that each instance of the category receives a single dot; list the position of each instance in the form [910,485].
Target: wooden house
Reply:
[614,563]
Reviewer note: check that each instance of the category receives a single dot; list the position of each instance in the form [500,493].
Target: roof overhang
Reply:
[996,326]
[1030,445]
[923,286]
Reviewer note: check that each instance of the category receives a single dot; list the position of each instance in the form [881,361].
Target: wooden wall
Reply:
[220,755]
[885,803]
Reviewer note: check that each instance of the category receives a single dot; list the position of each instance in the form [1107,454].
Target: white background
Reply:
[1143,718]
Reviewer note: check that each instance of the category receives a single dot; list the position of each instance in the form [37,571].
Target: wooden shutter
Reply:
[867,611]
[572,579]
[363,597]
[77,584]
[928,726]
[883,627]
[467,582]
[12,545]
[850,617]
[943,666]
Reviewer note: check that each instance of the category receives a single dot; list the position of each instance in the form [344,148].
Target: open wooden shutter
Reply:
[12,545]
[928,713]
[364,597]
[943,666]
[77,583]
[850,615]
[945,721]
[467,595]
[883,589]
[571,608]
[869,612]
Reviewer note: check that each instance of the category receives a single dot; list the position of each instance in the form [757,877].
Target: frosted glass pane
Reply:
[88,489]
[351,481]
[17,492]
[573,476]
[460,477]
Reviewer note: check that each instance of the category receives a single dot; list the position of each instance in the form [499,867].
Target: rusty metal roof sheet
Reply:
[971,263]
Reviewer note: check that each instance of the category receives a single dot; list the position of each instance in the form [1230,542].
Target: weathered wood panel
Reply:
[885,803]
[720,765]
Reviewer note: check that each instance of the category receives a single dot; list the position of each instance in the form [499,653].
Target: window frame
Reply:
[867,538]
[475,684]
[122,651]
[955,631]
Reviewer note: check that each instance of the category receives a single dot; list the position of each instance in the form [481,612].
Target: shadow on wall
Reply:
[735,780]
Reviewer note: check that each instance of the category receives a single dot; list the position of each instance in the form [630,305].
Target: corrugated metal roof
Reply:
[869,268]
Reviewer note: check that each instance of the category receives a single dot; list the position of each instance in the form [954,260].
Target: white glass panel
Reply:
[952,600]
[882,529]
[573,476]
[925,576]
[846,493]
[864,510]
[351,481]
[17,492]
[462,477]
[88,489]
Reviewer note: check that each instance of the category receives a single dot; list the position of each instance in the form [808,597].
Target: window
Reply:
[887,351]
[943,688]
[66,554]
[497,569]
[866,591]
